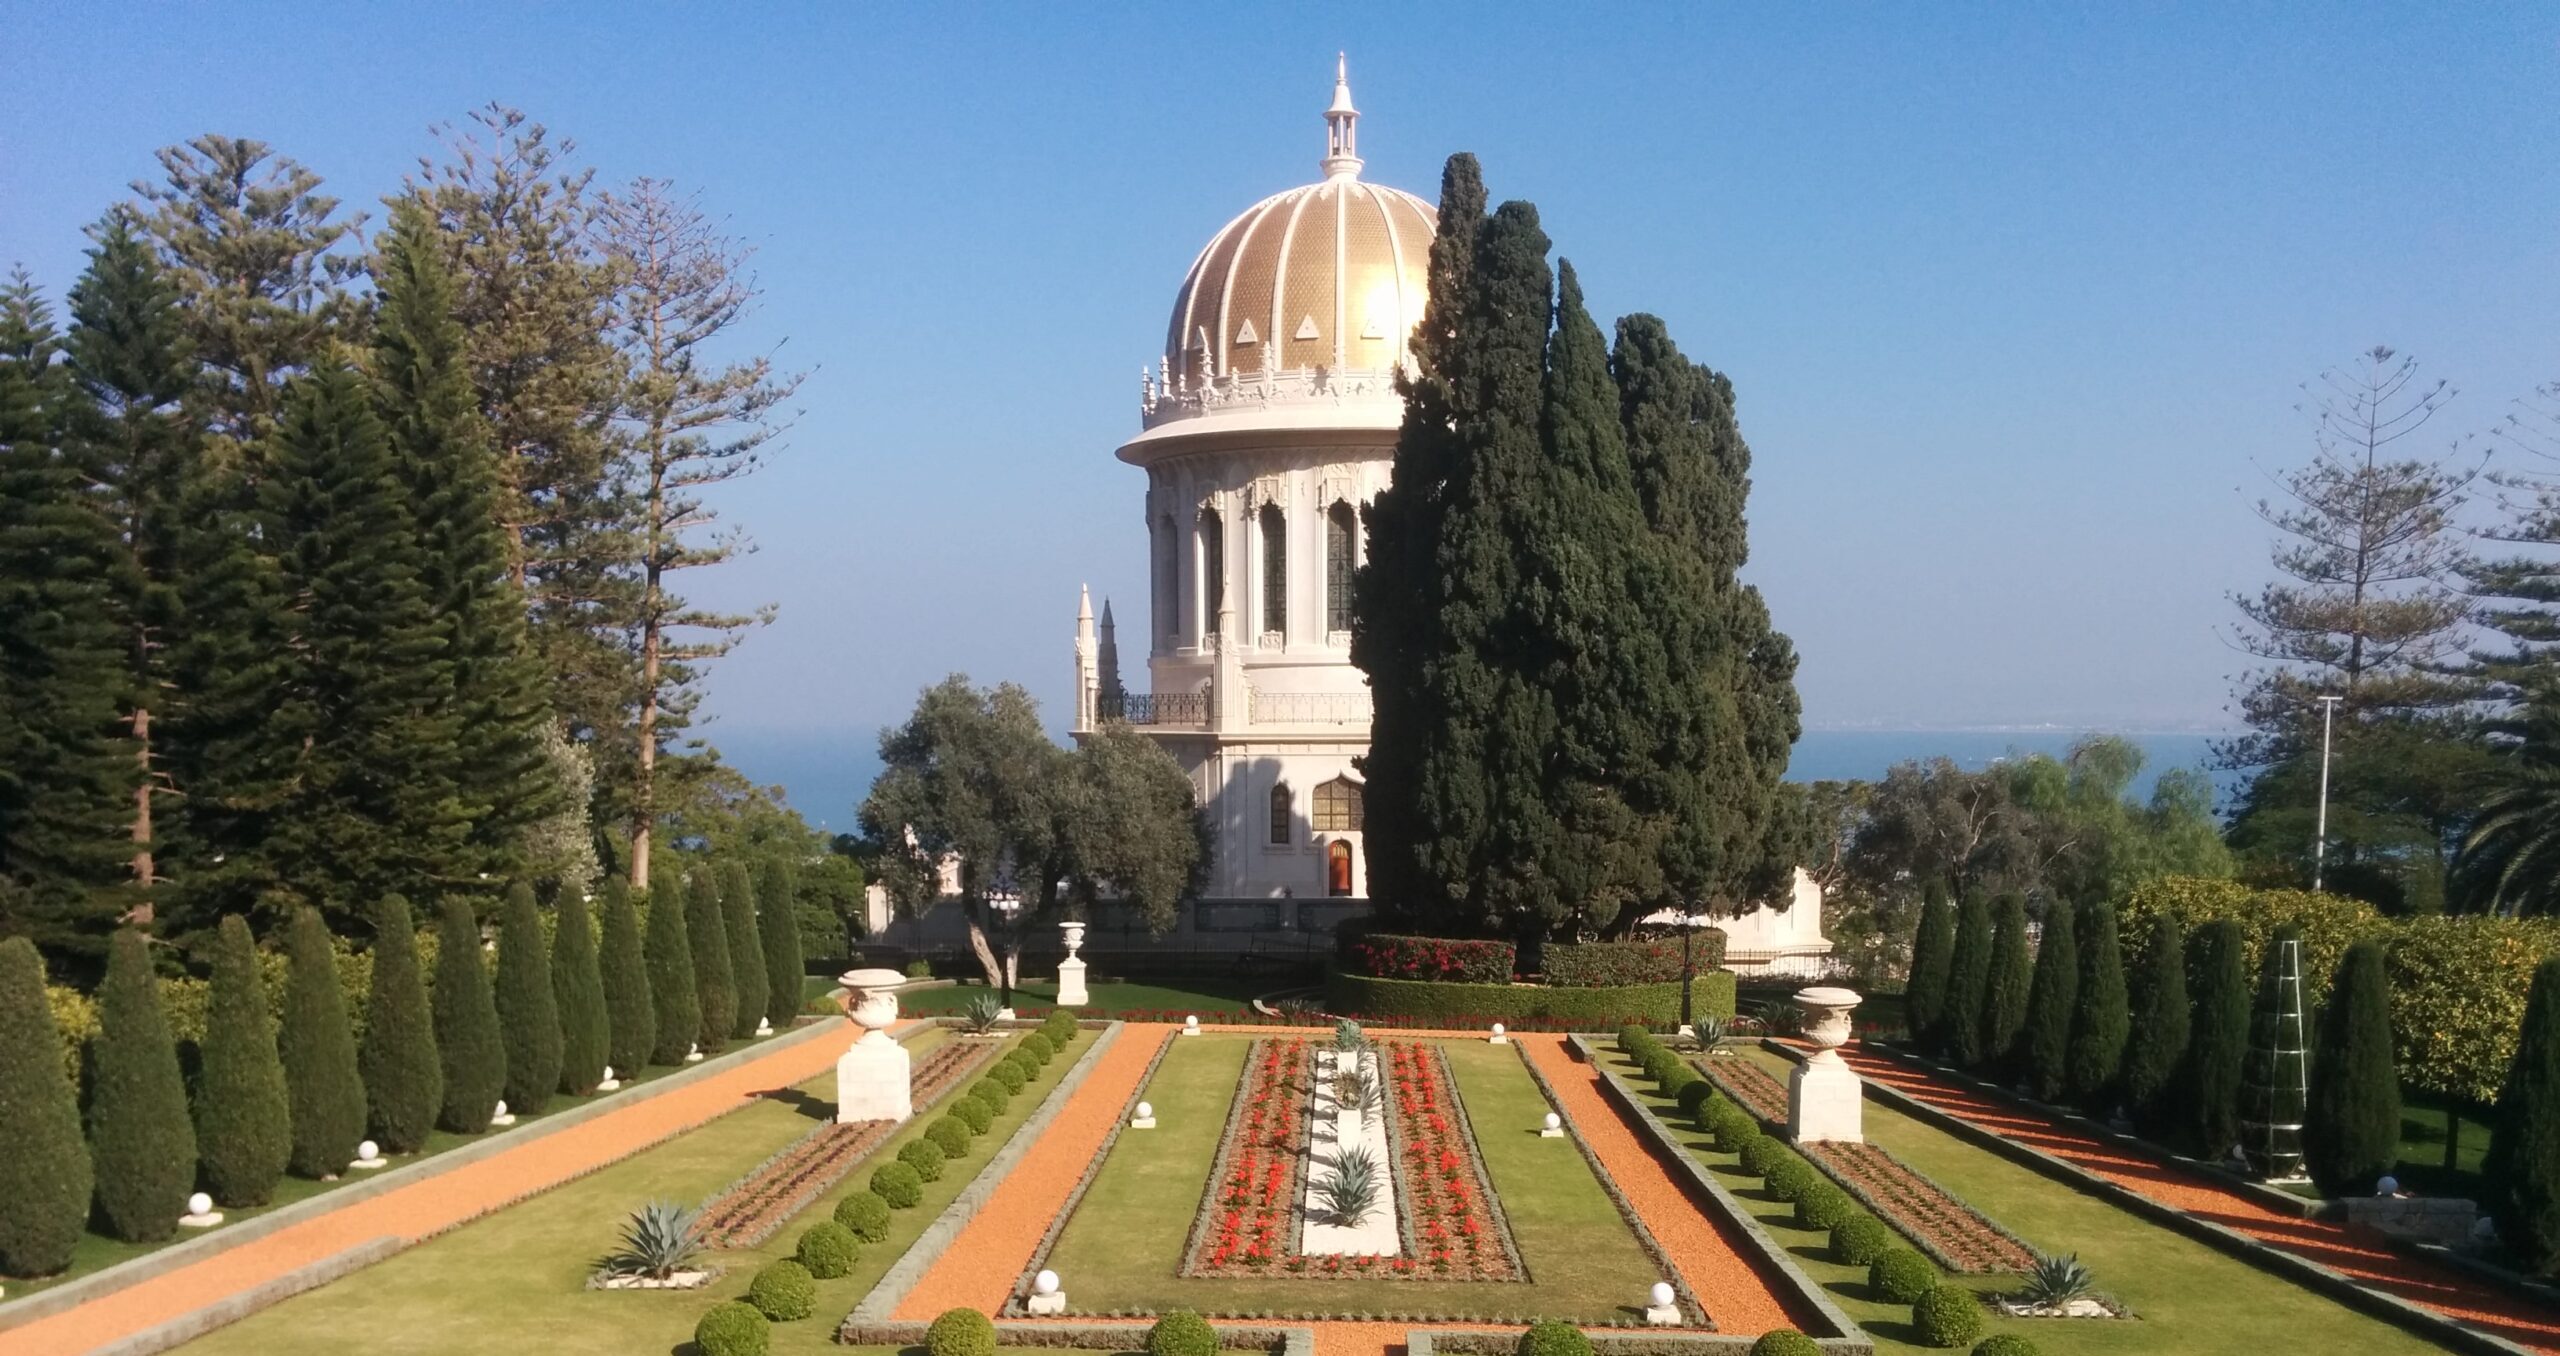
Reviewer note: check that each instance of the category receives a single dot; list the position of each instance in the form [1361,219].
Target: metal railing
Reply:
[1155,708]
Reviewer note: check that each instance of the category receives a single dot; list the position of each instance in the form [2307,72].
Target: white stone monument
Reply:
[873,1078]
[1823,1098]
[1664,1311]
[1046,1297]
[1071,992]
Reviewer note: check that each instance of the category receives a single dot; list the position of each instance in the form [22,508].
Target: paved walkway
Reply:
[2332,1245]
[421,1209]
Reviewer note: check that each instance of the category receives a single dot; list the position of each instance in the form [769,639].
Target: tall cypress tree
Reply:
[2044,1053]
[2004,997]
[1933,955]
[1968,984]
[44,1166]
[528,1018]
[707,928]
[139,1135]
[631,1017]
[243,1116]
[2161,1021]
[746,949]
[577,986]
[319,1052]
[2523,1163]
[2098,1024]
[674,985]
[403,1073]
[2351,1135]
[777,917]
[2207,1088]
[469,1051]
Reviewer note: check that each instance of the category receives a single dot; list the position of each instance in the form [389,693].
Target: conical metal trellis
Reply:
[2277,1090]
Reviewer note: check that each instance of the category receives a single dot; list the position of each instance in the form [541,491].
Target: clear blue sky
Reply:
[2013,297]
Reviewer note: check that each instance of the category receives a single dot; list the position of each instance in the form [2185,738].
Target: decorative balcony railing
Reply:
[1311,708]
[1154,708]
[1161,401]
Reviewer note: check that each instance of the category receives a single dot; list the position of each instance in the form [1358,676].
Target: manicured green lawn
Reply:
[1209,998]
[515,1281]
[2187,1298]
[1123,1246]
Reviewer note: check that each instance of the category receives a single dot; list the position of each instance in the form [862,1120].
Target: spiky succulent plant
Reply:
[2056,1280]
[1350,1193]
[660,1238]
[980,1014]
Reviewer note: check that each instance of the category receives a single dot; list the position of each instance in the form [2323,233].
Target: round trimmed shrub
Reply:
[1182,1333]
[783,1291]
[733,1328]
[1785,1342]
[1695,1096]
[1039,1047]
[1901,1276]
[1009,1075]
[866,1215]
[1788,1176]
[961,1332]
[925,1157]
[899,1184]
[992,1095]
[1553,1338]
[1822,1205]
[2005,1344]
[1758,1152]
[1678,1081]
[828,1250]
[1633,1038]
[1736,1130]
[1948,1316]
[1860,1239]
[951,1135]
[1022,1064]
[973,1113]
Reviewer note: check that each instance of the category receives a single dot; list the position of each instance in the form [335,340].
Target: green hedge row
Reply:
[1465,1005]
[1654,960]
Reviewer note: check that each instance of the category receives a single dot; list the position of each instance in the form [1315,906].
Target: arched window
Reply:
[1275,570]
[1168,578]
[1213,568]
[1337,869]
[1283,815]
[1338,565]
[1338,806]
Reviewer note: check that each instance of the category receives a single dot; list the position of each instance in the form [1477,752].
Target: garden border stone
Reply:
[1087,1335]
[1613,1342]
[223,1313]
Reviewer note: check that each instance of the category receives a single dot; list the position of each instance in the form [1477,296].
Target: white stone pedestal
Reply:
[1071,993]
[1824,1100]
[1662,1315]
[1047,1304]
[873,1079]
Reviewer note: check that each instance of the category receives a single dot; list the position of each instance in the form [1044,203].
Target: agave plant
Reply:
[980,1014]
[1354,1089]
[1712,1028]
[1300,1008]
[660,1239]
[1351,1192]
[2056,1280]
[1348,1038]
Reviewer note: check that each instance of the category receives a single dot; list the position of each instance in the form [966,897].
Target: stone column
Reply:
[873,1078]
[1071,992]
[1823,1095]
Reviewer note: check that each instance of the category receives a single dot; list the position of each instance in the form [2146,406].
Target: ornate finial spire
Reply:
[1341,125]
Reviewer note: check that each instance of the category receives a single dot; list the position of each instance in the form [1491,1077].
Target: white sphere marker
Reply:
[1499,1037]
[1552,1128]
[1046,1297]
[1191,1026]
[1144,1118]
[1664,1312]
[608,1083]
[200,1212]
[369,1156]
[502,1116]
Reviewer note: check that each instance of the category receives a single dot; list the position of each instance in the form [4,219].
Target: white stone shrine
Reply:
[873,1078]
[1823,1096]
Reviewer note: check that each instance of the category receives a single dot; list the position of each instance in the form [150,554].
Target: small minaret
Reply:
[1341,126]
[1088,676]
[1109,657]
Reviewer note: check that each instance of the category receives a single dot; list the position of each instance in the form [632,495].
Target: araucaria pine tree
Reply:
[468,1048]
[777,918]
[631,1018]
[403,1075]
[2004,998]
[2206,1093]
[2523,1165]
[577,986]
[2044,1043]
[2098,1023]
[707,927]
[746,949]
[139,1135]
[319,1051]
[244,1120]
[1933,956]
[674,987]
[528,1018]
[2351,1134]
[1968,985]
[44,1166]
[2158,1039]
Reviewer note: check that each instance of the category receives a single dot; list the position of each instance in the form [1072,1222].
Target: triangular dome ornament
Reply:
[1306,328]
[1246,335]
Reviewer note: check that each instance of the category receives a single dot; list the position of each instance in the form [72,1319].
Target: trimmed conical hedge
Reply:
[403,1075]
[2158,1040]
[577,986]
[746,950]
[2044,1043]
[1968,983]
[2098,1023]
[2351,1136]
[319,1053]
[2207,1089]
[528,1019]
[1933,954]
[2523,1165]
[140,1138]
[631,1019]
[706,925]
[244,1118]
[2004,998]
[472,1056]
[674,988]
[778,920]
[44,1166]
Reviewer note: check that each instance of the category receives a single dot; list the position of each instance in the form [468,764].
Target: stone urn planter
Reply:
[1071,990]
[1824,1100]
[872,1077]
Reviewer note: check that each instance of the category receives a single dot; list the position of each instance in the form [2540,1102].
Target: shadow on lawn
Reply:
[809,1105]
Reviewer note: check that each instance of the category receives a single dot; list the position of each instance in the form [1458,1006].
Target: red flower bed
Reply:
[1249,1220]
[1388,955]
[1453,1226]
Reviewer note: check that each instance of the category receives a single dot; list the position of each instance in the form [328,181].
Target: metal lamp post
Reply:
[2320,834]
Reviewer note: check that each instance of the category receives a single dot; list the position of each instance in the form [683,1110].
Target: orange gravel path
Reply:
[2332,1245]
[422,1209]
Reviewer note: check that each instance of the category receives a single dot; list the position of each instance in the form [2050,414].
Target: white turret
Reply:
[1341,125]
[1088,661]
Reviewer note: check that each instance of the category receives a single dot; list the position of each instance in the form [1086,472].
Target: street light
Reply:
[2320,839]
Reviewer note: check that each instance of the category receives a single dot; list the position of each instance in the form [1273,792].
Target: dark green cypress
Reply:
[1933,955]
[778,917]
[319,1052]
[707,927]
[468,1048]
[674,992]
[2522,1169]
[2098,1024]
[577,986]
[403,1073]
[140,1138]
[44,1166]
[2044,1043]
[244,1117]
[2206,1092]
[2158,1039]
[746,949]
[528,1018]
[631,1019]
[1968,984]
[2004,998]
[2351,1136]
